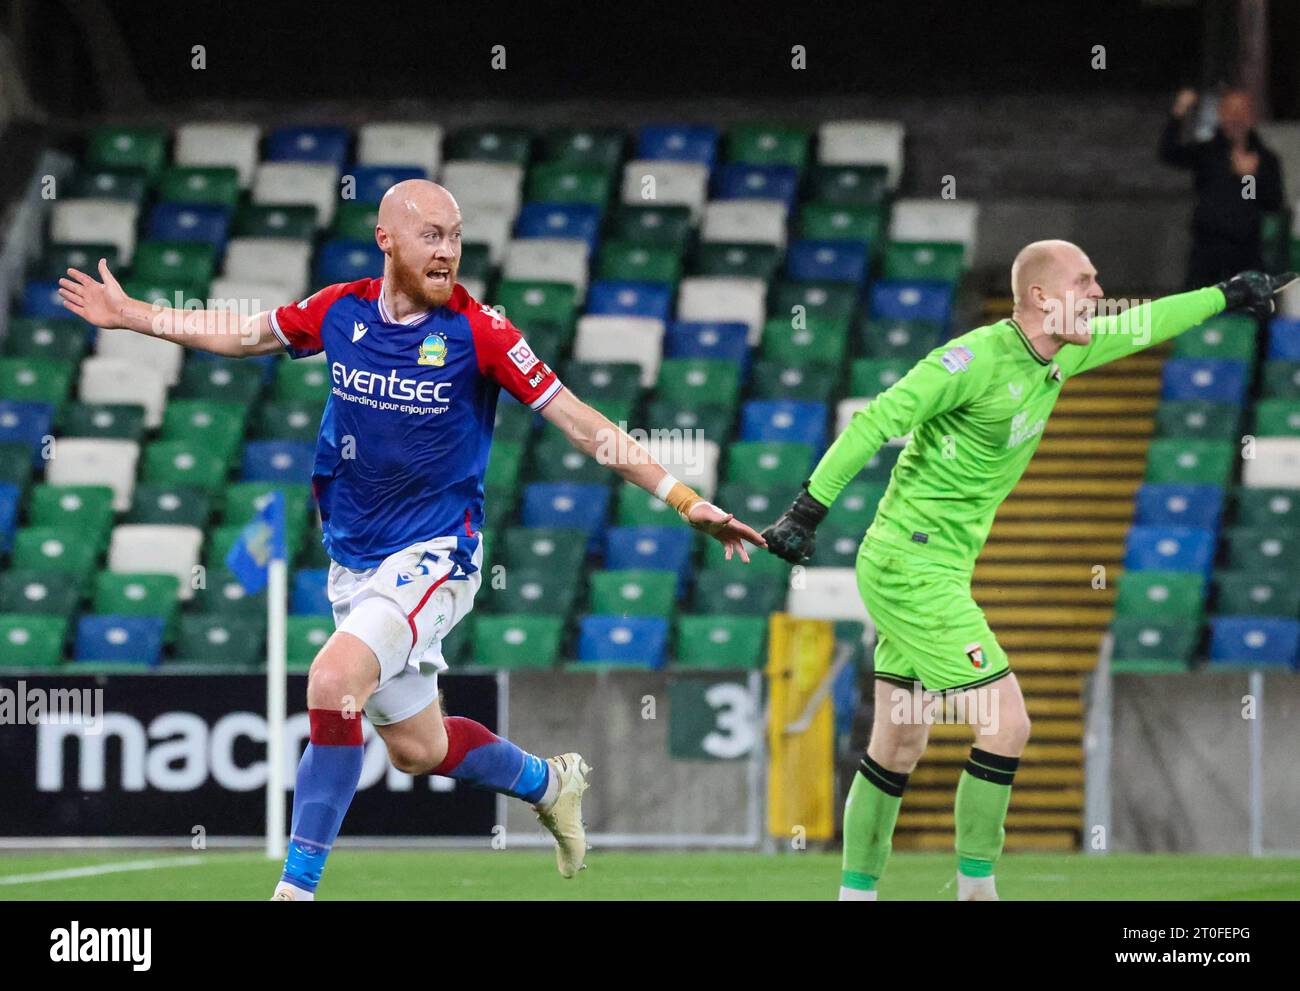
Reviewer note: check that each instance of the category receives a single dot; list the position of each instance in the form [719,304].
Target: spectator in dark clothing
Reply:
[1226,220]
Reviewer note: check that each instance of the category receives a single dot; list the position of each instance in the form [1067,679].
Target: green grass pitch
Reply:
[693,876]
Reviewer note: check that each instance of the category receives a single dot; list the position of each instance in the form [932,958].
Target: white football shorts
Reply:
[401,610]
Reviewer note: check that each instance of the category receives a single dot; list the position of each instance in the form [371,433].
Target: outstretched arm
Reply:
[222,332]
[596,436]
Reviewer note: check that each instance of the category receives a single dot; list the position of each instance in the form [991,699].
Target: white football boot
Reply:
[563,819]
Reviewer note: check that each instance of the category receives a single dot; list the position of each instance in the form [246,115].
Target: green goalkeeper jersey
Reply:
[975,408]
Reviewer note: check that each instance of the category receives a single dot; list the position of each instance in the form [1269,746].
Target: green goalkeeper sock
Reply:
[983,794]
[869,816]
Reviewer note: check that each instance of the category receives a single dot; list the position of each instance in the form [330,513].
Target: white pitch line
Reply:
[119,868]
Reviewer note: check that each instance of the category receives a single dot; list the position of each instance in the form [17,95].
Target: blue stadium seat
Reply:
[9,497]
[567,504]
[574,221]
[26,423]
[1284,339]
[633,640]
[650,548]
[784,420]
[1169,548]
[342,260]
[1179,505]
[310,595]
[1211,380]
[737,181]
[121,639]
[911,301]
[678,142]
[283,461]
[630,299]
[1262,640]
[827,261]
[726,341]
[309,144]
[373,180]
[180,222]
[41,299]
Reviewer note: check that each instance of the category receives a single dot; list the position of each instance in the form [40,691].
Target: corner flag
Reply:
[261,542]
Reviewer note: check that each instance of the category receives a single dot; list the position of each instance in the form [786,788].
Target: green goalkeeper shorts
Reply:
[928,627]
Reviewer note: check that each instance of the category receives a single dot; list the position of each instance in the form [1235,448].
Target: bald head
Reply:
[1055,288]
[412,200]
[1037,263]
[419,231]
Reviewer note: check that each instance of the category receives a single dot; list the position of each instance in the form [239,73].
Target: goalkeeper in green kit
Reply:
[975,408]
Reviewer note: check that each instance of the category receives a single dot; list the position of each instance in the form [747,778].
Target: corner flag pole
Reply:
[276,611]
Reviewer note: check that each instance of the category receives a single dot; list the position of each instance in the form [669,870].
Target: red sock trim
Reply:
[332,728]
[463,735]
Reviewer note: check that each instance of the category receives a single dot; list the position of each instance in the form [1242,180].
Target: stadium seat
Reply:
[1208,380]
[490,144]
[734,591]
[1276,464]
[159,550]
[159,504]
[565,182]
[1255,641]
[1277,508]
[827,261]
[1178,460]
[554,459]
[629,261]
[528,304]
[1152,646]
[275,261]
[59,340]
[900,338]
[532,590]
[827,593]
[41,301]
[761,221]
[293,222]
[1263,548]
[56,259]
[88,508]
[137,595]
[774,379]
[661,226]
[746,182]
[480,185]
[767,144]
[9,498]
[666,183]
[859,223]
[678,142]
[120,639]
[233,145]
[630,299]
[724,299]
[1198,419]
[583,147]
[1284,339]
[855,508]
[517,641]
[1277,418]
[862,142]
[652,548]
[1255,593]
[348,261]
[183,222]
[309,144]
[285,462]
[35,380]
[639,641]
[217,591]
[227,379]
[953,221]
[15,466]
[142,149]
[837,545]
[104,421]
[227,639]
[309,183]
[925,261]
[1226,337]
[929,301]
[143,351]
[309,595]
[372,181]
[723,341]
[634,592]
[868,377]
[566,506]
[28,641]
[1169,548]
[1161,595]
[618,339]
[38,593]
[95,221]
[1281,380]
[201,185]
[400,143]
[784,421]
[28,424]
[1179,505]
[126,186]
[711,642]
[185,463]
[695,382]
[544,259]
[771,466]
[560,221]
[734,260]
[304,637]
[85,461]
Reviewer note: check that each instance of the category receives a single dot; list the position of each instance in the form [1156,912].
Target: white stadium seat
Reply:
[674,184]
[281,261]
[313,183]
[142,351]
[220,145]
[247,297]
[753,221]
[112,380]
[692,460]
[157,550]
[475,287]
[92,461]
[826,593]
[401,144]
[863,142]
[1284,138]
[845,409]
[725,298]
[622,339]
[496,186]
[96,221]
[545,259]
[490,227]
[936,220]
[1276,464]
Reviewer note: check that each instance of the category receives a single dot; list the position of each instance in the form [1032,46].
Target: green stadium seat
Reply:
[1254,549]
[1277,418]
[127,185]
[184,462]
[1277,508]
[837,545]
[667,226]
[1262,593]
[720,642]
[602,149]
[355,221]
[1281,380]
[554,459]
[295,221]
[160,504]
[160,292]
[225,640]
[817,342]
[200,185]
[862,223]
[871,376]
[28,641]
[308,381]
[504,469]
[602,380]
[85,508]
[1148,646]
[43,593]
[1161,595]
[1197,419]
[768,144]
[1230,336]
[173,263]
[855,508]
[489,144]
[517,641]
[880,465]
[475,261]
[244,500]
[552,548]
[66,549]
[634,261]
[908,339]
[615,410]
[527,304]
[735,592]
[15,465]
[103,421]
[637,507]
[304,637]
[138,595]
[634,592]
[314,557]
[55,261]
[563,182]
[36,380]
[760,562]
[828,301]
[49,340]
[514,422]
[221,594]
[714,422]
[755,505]
[930,261]
[531,590]
[217,426]
[228,380]
[220,541]
[144,149]
[858,185]
[770,465]
[288,419]
[1188,461]
[773,378]
[694,382]
[743,260]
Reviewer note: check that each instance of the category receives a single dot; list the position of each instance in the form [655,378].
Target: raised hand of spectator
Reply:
[1183,102]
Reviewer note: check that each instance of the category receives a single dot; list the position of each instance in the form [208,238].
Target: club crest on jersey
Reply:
[976,654]
[957,359]
[433,351]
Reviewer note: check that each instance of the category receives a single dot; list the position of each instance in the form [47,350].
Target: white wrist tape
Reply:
[665,486]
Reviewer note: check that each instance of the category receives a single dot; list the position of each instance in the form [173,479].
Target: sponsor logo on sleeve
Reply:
[522,355]
[957,359]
